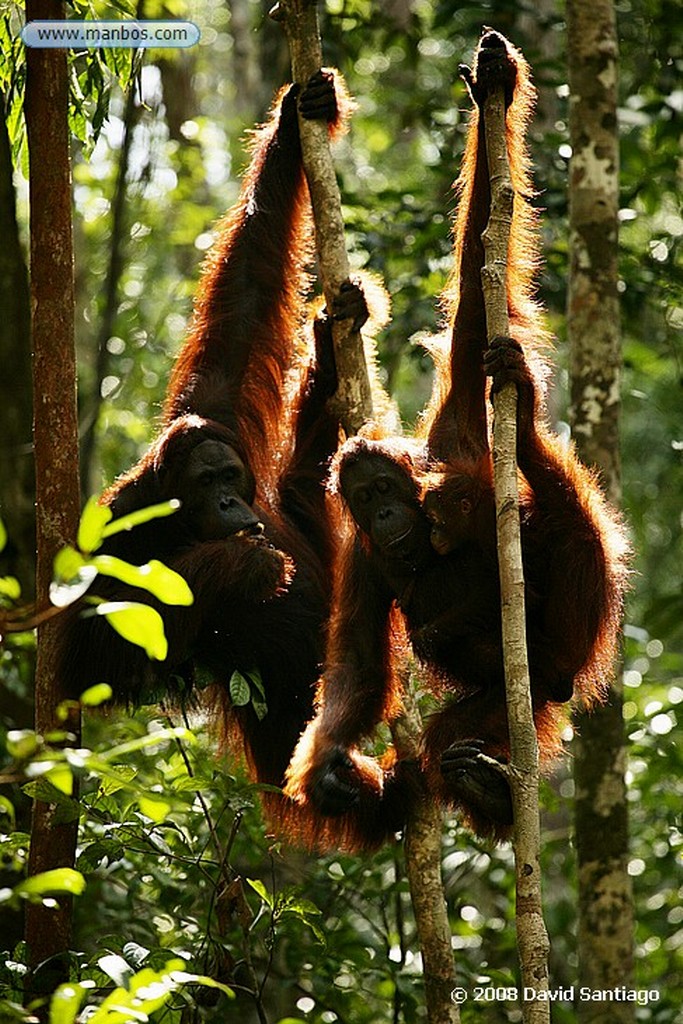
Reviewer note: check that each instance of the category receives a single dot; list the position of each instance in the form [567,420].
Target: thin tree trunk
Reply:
[605,897]
[425,880]
[532,937]
[48,931]
[353,398]
[118,237]
[247,74]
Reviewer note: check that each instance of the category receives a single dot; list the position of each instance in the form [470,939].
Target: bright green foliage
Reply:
[139,624]
[140,516]
[142,995]
[75,569]
[154,576]
[96,695]
[94,519]
[21,744]
[51,882]
[10,590]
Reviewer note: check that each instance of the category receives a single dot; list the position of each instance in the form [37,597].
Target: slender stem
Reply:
[532,937]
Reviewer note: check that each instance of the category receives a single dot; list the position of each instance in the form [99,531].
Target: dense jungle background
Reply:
[167,846]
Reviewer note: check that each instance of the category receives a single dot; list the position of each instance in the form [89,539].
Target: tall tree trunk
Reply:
[17,488]
[55,431]
[605,897]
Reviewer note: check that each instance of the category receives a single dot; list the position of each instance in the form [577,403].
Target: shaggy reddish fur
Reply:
[574,545]
[243,378]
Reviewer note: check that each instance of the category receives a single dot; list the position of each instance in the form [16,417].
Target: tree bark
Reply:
[605,897]
[55,431]
[532,937]
[425,880]
[354,397]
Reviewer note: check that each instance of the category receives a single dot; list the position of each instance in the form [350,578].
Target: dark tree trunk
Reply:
[55,429]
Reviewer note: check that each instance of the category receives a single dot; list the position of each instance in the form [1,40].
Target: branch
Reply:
[532,938]
[423,867]
[353,401]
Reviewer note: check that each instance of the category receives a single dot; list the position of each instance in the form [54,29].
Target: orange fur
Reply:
[576,553]
[261,601]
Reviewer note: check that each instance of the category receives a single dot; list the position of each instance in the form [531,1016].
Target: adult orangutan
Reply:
[424,546]
[245,445]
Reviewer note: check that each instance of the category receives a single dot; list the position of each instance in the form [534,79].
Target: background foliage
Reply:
[172,847]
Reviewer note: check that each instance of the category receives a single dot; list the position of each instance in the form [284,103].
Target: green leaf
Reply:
[317,931]
[260,708]
[65,1004]
[179,732]
[154,807]
[68,564]
[96,695]
[3,535]
[66,710]
[183,978]
[7,807]
[139,624]
[147,991]
[61,778]
[56,881]
[258,699]
[94,854]
[21,743]
[118,777]
[92,525]
[302,907]
[72,577]
[258,887]
[65,807]
[256,681]
[157,578]
[116,968]
[240,691]
[16,842]
[10,587]
[140,516]
[135,953]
